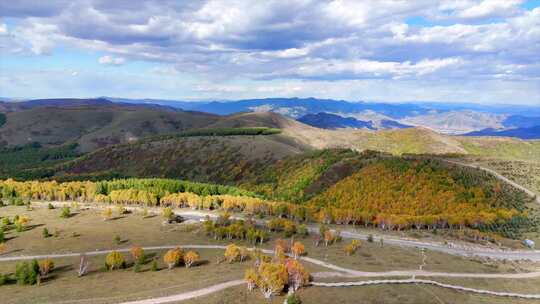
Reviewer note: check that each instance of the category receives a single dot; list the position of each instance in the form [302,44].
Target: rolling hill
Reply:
[92,123]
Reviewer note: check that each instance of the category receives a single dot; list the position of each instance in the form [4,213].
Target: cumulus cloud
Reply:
[110,60]
[307,40]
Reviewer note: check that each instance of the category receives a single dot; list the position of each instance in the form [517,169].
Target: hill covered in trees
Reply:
[329,186]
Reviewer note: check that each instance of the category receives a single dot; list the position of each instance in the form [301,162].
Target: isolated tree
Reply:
[83,266]
[273,277]
[45,267]
[137,253]
[173,257]
[328,237]
[190,258]
[232,253]
[114,260]
[298,249]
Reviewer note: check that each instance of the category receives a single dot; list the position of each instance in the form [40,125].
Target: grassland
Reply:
[86,231]
[395,294]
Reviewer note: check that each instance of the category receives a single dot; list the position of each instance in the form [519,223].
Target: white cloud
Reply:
[301,41]
[490,8]
[110,60]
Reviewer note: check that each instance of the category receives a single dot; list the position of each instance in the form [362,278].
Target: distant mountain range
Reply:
[333,121]
[446,118]
[523,133]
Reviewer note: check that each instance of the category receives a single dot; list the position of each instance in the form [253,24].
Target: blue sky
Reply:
[485,51]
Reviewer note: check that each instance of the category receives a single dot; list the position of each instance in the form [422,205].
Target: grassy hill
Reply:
[222,159]
[94,125]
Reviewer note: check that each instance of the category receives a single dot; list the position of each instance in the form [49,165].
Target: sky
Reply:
[484,51]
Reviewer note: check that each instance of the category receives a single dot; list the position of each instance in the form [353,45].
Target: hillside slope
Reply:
[94,123]
[219,159]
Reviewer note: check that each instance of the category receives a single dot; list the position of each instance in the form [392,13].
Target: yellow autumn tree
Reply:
[191,257]
[137,253]
[252,277]
[232,253]
[297,274]
[173,257]
[298,249]
[273,277]
[114,260]
[45,267]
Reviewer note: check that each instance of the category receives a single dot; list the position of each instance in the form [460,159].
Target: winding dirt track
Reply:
[342,272]
[468,251]
[497,175]
[190,294]
[339,272]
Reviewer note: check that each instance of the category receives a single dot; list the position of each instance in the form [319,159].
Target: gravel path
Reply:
[453,249]
[189,295]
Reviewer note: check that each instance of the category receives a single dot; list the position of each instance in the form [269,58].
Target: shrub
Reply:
[168,213]
[50,206]
[6,221]
[351,248]
[45,233]
[154,266]
[21,222]
[137,267]
[302,230]
[2,235]
[117,239]
[27,273]
[66,212]
[3,279]
[293,299]
[115,260]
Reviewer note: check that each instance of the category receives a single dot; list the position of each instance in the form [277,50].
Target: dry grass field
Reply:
[86,231]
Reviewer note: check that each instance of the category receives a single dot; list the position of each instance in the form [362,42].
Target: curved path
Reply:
[189,295]
[344,272]
[465,251]
[429,282]
[497,175]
